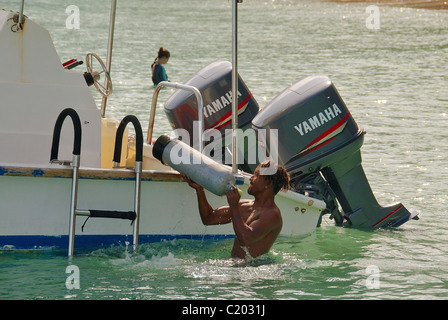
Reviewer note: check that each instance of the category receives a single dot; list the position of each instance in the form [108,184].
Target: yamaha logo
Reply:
[219,104]
[318,120]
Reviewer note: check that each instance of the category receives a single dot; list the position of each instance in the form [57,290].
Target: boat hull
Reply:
[35,208]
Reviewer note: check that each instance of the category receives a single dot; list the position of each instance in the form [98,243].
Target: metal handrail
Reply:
[67,112]
[198,95]
[75,164]
[138,166]
[119,139]
[74,211]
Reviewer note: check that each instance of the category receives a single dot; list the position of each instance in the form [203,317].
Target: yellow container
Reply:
[108,132]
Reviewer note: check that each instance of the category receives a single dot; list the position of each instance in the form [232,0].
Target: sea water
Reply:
[392,77]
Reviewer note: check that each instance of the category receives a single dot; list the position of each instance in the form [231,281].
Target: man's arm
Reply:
[209,216]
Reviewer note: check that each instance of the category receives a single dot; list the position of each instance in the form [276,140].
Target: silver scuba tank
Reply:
[213,176]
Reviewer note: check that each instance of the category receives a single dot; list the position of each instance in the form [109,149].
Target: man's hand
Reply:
[233,196]
[191,183]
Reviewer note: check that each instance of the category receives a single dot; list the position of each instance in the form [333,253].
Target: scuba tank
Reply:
[213,176]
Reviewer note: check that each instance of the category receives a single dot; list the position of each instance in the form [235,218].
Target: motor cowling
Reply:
[319,142]
[311,120]
[214,81]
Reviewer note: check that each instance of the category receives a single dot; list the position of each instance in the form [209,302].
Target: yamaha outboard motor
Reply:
[319,145]
[317,140]
[215,84]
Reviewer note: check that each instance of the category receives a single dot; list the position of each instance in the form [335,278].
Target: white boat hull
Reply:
[35,208]
[35,197]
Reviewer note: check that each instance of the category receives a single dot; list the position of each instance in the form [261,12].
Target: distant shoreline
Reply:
[421,4]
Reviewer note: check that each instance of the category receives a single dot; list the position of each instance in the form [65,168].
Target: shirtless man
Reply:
[258,222]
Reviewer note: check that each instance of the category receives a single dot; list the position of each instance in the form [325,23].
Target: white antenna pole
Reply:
[235,84]
[110,45]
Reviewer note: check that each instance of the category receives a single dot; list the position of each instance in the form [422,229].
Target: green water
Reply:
[394,82]
[331,264]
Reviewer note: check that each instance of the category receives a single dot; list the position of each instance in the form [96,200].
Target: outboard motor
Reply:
[319,145]
[215,84]
[317,140]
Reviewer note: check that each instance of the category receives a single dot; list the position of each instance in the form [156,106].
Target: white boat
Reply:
[311,133]
[37,200]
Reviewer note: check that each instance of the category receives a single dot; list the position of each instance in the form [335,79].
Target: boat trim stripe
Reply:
[388,216]
[333,131]
[40,242]
[227,117]
[88,173]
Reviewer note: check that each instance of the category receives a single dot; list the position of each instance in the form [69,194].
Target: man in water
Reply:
[256,223]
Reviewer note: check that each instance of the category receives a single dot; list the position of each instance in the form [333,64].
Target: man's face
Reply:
[257,183]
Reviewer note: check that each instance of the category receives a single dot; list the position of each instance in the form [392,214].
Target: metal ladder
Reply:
[74,211]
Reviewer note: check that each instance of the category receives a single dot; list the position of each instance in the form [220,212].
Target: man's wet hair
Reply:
[279,176]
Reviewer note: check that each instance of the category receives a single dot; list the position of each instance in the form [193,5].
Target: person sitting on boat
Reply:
[256,223]
[158,70]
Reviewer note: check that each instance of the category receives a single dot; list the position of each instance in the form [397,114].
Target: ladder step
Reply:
[130,215]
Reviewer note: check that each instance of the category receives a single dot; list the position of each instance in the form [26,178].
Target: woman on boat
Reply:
[158,70]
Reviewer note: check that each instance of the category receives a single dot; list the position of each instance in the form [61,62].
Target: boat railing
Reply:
[95,213]
[68,112]
[138,165]
[198,95]
[119,139]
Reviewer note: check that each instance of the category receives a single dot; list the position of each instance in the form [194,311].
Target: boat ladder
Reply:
[75,163]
